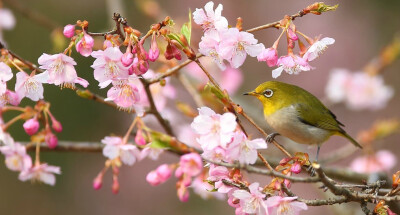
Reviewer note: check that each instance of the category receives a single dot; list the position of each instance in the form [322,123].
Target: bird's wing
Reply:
[320,117]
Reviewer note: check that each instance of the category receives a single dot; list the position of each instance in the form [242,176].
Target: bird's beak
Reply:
[250,93]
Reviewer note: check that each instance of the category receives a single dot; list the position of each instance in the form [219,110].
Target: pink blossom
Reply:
[5,137]
[291,64]
[383,160]
[7,19]
[160,175]
[116,148]
[153,179]
[108,67]
[60,69]
[150,152]
[126,95]
[216,174]
[317,48]
[41,172]
[358,90]
[5,75]
[69,31]
[269,55]
[295,168]
[210,19]
[209,45]
[292,35]
[139,138]
[235,45]
[30,86]
[154,52]
[248,148]
[204,189]
[214,129]
[172,52]
[230,79]
[31,126]
[285,205]
[9,97]
[252,202]
[55,124]
[190,164]
[85,45]
[16,157]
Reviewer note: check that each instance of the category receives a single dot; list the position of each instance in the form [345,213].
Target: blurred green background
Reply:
[361,29]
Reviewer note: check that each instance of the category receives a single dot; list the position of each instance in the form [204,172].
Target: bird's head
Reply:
[273,95]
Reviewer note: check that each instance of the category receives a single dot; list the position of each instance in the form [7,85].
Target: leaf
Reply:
[160,140]
[186,29]
[175,36]
[324,7]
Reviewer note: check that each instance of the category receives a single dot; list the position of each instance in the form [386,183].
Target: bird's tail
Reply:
[344,134]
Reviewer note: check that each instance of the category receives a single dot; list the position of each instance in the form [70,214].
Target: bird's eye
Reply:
[268,93]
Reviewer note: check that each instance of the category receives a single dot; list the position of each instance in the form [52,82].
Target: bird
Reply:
[298,115]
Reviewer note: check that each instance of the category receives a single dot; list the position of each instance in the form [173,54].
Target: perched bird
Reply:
[297,114]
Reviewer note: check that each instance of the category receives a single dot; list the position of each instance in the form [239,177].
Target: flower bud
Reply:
[154,52]
[56,125]
[292,35]
[31,126]
[183,193]
[115,185]
[153,179]
[127,58]
[98,181]
[143,67]
[296,168]
[139,138]
[169,52]
[164,172]
[85,45]
[69,31]
[51,140]
[269,55]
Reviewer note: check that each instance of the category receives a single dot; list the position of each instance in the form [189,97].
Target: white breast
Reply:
[285,121]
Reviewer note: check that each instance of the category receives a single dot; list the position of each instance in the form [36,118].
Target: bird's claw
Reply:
[311,170]
[270,138]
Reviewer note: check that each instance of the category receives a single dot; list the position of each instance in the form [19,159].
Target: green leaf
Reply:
[324,7]
[160,140]
[186,29]
[175,36]
[211,88]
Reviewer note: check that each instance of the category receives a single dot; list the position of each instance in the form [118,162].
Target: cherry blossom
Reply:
[203,188]
[69,31]
[216,174]
[358,90]
[9,97]
[61,70]
[209,19]
[208,46]
[235,45]
[85,45]
[16,157]
[41,172]
[247,149]
[317,48]
[126,95]
[5,75]
[214,129]
[252,202]
[160,175]
[154,51]
[285,205]
[291,64]
[269,55]
[108,66]
[190,164]
[382,160]
[150,152]
[30,86]
[116,148]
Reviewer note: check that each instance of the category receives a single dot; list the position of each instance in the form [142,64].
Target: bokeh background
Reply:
[361,29]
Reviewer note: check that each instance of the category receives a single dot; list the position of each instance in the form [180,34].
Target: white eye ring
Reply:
[268,93]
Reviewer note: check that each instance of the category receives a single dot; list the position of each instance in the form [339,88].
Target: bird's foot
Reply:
[270,138]
[311,170]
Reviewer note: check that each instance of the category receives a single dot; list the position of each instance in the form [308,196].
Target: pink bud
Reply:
[127,59]
[107,44]
[296,168]
[98,181]
[31,126]
[176,52]
[51,140]
[164,172]
[154,52]
[183,194]
[143,67]
[292,35]
[139,138]
[270,55]
[56,125]
[169,52]
[69,31]
[178,172]
[153,179]
[115,185]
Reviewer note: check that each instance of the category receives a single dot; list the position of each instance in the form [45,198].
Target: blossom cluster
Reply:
[233,45]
